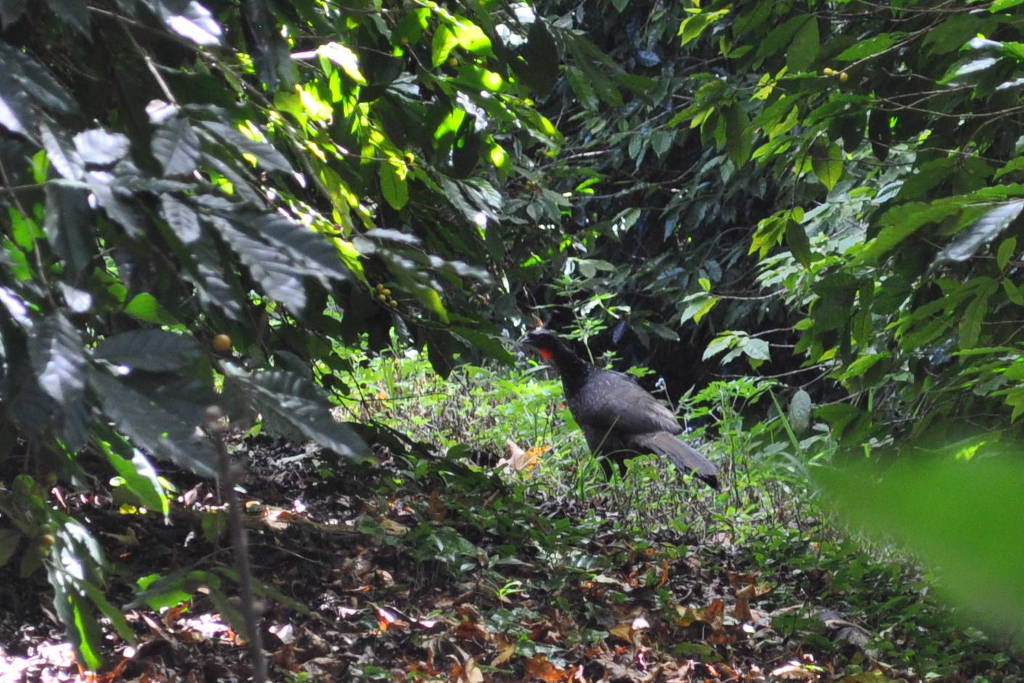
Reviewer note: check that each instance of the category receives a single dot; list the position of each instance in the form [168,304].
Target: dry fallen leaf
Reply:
[539,667]
[742,608]
[468,630]
[467,673]
[687,615]
[506,649]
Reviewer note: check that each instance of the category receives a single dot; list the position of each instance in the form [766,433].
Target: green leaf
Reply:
[151,350]
[180,216]
[172,590]
[23,80]
[309,251]
[901,222]
[266,154]
[827,163]
[970,323]
[471,37]
[78,618]
[192,21]
[860,366]
[1014,293]
[581,87]
[152,427]
[798,243]
[293,403]
[392,183]
[948,513]
[97,146]
[345,58]
[738,140]
[443,43]
[488,343]
[541,58]
[412,25]
[871,46]
[61,152]
[1007,248]
[145,307]
[804,48]
[207,271]
[1011,166]
[1001,5]
[692,27]
[69,226]
[58,359]
[176,146]
[229,611]
[141,478]
[780,36]
[114,615]
[432,300]
[724,341]
[756,349]
[661,142]
[968,69]
[951,34]
[272,270]
[698,306]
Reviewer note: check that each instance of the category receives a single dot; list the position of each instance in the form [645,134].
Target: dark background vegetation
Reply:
[803,217]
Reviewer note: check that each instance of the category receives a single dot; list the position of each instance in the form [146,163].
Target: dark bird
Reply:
[620,420]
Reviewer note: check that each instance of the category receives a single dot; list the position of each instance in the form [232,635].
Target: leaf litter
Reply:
[428,569]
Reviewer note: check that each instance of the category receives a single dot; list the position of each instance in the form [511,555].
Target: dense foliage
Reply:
[206,203]
[840,177]
[199,200]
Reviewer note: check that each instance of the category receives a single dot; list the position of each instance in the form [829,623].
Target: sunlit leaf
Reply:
[443,42]
[344,57]
[470,37]
[392,183]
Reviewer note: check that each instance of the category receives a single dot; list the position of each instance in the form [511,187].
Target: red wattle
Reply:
[547,355]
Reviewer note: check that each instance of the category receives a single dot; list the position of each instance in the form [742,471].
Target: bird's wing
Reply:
[611,400]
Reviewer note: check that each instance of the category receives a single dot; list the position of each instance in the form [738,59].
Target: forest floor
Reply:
[426,569]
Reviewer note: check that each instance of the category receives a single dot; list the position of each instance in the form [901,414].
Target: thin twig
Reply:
[239,541]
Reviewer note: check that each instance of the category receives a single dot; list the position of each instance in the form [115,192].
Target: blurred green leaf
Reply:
[961,518]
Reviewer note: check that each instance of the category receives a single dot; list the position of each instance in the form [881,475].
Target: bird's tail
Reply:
[681,455]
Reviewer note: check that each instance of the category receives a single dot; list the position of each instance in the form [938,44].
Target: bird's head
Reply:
[545,341]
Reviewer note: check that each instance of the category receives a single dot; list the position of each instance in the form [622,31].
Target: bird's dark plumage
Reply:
[620,420]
